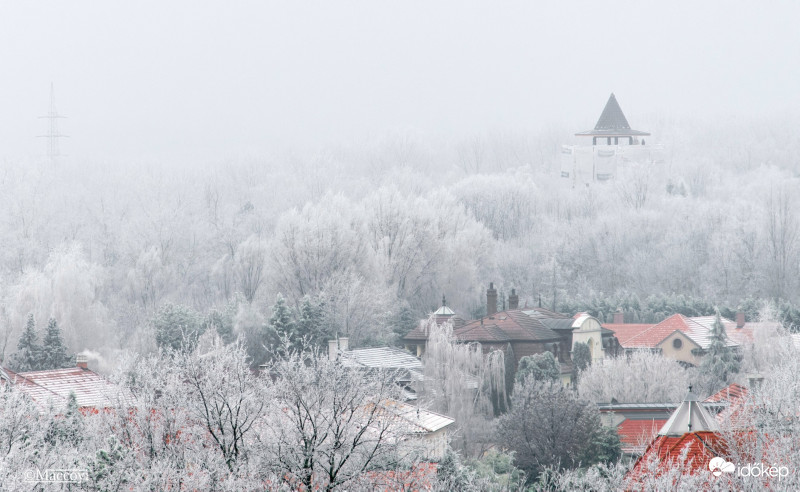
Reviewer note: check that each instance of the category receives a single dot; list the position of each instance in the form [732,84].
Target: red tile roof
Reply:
[636,434]
[698,329]
[527,324]
[731,393]
[701,447]
[626,331]
[91,390]
[506,326]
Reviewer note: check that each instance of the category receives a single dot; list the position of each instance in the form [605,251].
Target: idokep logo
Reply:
[718,466]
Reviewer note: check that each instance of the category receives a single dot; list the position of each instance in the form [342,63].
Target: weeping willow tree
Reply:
[463,383]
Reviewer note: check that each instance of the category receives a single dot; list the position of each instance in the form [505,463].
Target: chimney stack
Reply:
[81,361]
[513,300]
[333,349]
[337,346]
[754,380]
[491,300]
[619,317]
[739,320]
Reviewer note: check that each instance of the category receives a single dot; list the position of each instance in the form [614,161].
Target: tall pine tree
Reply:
[720,361]
[311,322]
[281,324]
[54,352]
[29,352]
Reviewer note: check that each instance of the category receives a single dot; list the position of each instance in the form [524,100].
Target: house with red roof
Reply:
[528,331]
[639,423]
[684,446]
[680,337]
[53,386]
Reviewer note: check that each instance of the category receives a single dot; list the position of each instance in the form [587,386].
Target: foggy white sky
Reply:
[186,78]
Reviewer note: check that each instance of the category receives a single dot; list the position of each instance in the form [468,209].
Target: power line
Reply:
[53,134]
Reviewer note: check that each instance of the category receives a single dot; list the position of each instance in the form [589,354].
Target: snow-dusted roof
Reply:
[697,329]
[690,416]
[413,419]
[444,311]
[55,385]
[380,357]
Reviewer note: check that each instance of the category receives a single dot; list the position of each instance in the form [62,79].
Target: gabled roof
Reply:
[507,326]
[612,122]
[408,366]
[55,385]
[626,331]
[698,329]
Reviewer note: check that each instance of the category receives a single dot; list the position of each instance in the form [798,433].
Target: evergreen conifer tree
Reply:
[719,362]
[310,324]
[281,323]
[177,327]
[54,352]
[540,367]
[581,358]
[29,352]
[69,427]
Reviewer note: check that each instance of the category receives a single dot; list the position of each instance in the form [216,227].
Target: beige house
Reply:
[682,338]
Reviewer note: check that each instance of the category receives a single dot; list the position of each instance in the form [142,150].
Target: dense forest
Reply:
[370,236]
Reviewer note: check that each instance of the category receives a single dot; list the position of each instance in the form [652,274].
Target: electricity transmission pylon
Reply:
[53,133]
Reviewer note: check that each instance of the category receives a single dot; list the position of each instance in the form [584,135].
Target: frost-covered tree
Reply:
[68,428]
[540,367]
[720,361]
[282,323]
[54,352]
[581,356]
[29,353]
[223,395]
[177,327]
[459,381]
[549,425]
[311,323]
[581,359]
[328,424]
[250,261]
[642,377]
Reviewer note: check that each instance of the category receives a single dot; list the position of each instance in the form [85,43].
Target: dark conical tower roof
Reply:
[612,118]
[612,122]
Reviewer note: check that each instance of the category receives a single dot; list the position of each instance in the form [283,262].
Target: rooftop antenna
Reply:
[53,133]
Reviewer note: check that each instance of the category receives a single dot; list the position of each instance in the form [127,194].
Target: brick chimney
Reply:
[513,300]
[739,320]
[619,317]
[81,361]
[491,300]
